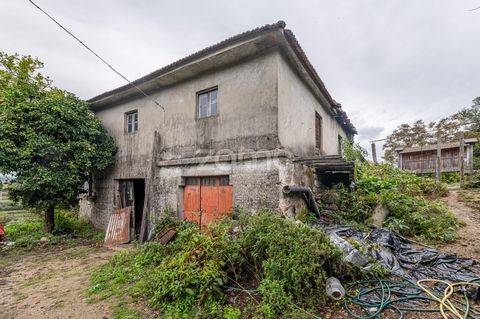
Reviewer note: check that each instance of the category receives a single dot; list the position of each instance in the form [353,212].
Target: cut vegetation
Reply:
[412,203]
[261,266]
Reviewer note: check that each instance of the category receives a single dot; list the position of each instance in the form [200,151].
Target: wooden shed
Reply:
[421,159]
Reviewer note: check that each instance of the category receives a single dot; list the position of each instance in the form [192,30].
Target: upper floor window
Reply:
[207,103]
[318,131]
[131,122]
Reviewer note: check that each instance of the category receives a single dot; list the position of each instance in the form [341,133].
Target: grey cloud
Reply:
[387,62]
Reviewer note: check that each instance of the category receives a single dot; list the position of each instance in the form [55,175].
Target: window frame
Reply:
[340,142]
[126,118]
[209,110]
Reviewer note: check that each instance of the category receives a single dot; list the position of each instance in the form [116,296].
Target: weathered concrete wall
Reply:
[247,115]
[262,105]
[296,116]
[256,184]
[246,121]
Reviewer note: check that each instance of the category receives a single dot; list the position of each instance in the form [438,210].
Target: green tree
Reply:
[471,115]
[406,135]
[420,133]
[48,137]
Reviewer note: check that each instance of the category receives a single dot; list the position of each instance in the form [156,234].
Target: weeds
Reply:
[410,199]
[285,263]
[27,231]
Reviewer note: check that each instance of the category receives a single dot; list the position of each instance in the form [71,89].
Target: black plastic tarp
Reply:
[398,254]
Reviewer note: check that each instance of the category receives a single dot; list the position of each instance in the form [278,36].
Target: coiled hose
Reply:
[373,297]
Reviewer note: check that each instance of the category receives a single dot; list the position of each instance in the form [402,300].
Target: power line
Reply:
[96,54]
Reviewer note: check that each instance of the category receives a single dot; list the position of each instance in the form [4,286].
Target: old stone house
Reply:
[241,119]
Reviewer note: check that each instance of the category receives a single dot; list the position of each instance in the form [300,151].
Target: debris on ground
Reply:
[400,255]
[166,235]
[375,298]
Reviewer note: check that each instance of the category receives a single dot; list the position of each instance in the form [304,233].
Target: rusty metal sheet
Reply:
[118,230]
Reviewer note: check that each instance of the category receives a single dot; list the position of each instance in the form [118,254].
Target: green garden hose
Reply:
[373,297]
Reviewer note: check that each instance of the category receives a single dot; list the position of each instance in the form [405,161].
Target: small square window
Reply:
[207,103]
[131,122]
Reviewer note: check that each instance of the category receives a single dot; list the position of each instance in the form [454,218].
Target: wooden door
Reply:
[207,199]
[191,199]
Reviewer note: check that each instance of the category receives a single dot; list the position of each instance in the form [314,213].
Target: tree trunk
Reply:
[50,219]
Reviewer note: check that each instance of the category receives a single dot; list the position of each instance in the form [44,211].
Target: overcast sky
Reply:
[387,62]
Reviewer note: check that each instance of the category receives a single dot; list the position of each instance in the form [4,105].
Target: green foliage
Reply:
[291,260]
[183,279]
[421,133]
[26,233]
[287,262]
[48,137]
[418,217]
[409,198]
[125,313]
[353,152]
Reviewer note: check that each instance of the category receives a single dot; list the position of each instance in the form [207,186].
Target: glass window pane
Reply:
[224,181]
[203,105]
[213,102]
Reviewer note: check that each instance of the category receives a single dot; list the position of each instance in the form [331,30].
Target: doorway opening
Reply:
[132,194]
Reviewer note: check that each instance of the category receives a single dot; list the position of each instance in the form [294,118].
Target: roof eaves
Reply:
[199,54]
[341,116]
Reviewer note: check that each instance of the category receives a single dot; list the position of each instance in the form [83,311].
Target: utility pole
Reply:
[438,160]
[374,153]
[462,159]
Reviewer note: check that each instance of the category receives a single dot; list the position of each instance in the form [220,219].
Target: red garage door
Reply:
[207,199]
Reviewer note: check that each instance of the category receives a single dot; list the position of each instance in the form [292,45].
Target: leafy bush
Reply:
[291,260]
[183,279]
[418,217]
[409,198]
[287,262]
[26,233]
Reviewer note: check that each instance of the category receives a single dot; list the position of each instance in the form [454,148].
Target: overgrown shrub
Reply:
[287,263]
[418,217]
[27,232]
[291,260]
[411,200]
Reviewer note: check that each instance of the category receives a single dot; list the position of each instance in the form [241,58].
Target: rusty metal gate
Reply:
[207,199]
[118,231]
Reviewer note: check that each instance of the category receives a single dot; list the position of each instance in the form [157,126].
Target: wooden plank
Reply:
[191,203]
[438,163]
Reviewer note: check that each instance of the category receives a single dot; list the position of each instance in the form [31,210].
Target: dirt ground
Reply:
[51,284]
[464,207]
